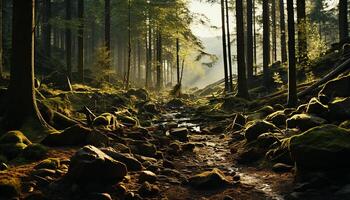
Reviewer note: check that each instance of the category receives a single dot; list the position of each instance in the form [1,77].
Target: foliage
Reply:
[103,64]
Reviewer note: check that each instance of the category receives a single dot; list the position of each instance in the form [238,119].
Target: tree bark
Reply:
[159,61]
[81,40]
[1,39]
[274,31]
[242,78]
[292,81]
[68,38]
[343,21]
[108,24]
[302,38]
[47,28]
[230,82]
[177,61]
[224,45]
[266,44]
[250,39]
[283,32]
[129,46]
[23,110]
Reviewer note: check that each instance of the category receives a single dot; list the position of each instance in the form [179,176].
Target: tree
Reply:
[292,82]
[159,60]
[266,43]
[108,24]
[68,38]
[283,32]
[47,28]
[242,80]
[81,40]
[229,57]
[343,21]
[224,45]
[302,38]
[23,111]
[1,38]
[274,31]
[250,44]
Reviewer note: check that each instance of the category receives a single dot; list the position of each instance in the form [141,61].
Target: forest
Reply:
[114,99]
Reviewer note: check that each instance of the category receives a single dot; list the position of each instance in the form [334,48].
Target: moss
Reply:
[13,137]
[255,128]
[35,152]
[50,163]
[10,187]
[304,121]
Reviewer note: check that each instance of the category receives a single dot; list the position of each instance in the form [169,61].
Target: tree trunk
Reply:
[343,21]
[129,46]
[139,61]
[292,81]
[159,61]
[242,78]
[149,56]
[230,82]
[274,31]
[283,33]
[255,40]
[108,24]
[47,28]
[1,39]
[266,44]
[177,61]
[224,44]
[68,38]
[81,40]
[250,39]
[22,109]
[302,38]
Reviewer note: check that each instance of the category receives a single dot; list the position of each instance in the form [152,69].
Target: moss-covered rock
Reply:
[266,110]
[345,124]
[321,148]
[9,187]
[317,108]
[175,103]
[13,137]
[278,118]
[267,139]
[35,152]
[279,153]
[75,135]
[11,151]
[255,128]
[50,163]
[106,120]
[304,121]
[339,109]
[339,87]
[209,180]
[140,93]
[151,108]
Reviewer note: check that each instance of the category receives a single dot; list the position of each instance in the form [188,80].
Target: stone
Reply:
[50,163]
[256,128]
[9,187]
[35,152]
[11,151]
[175,103]
[140,93]
[97,139]
[89,164]
[278,118]
[151,108]
[131,163]
[3,166]
[208,180]
[323,148]
[147,176]
[250,155]
[168,164]
[339,87]
[304,121]
[14,137]
[345,124]
[43,172]
[143,148]
[280,152]
[148,190]
[267,139]
[106,120]
[74,135]
[315,107]
[180,134]
[339,109]
[281,168]
[98,196]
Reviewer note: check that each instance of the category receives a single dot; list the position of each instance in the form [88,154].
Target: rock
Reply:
[132,196]
[106,120]
[280,152]
[345,124]
[209,180]
[250,155]
[139,93]
[281,168]
[175,103]
[127,120]
[315,107]
[98,196]
[228,198]
[148,190]
[3,166]
[90,164]
[304,121]
[168,164]
[14,137]
[147,176]
[267,139]
[43,172]
[151,108]
[278,118]
[256,128]
[266,110]
[50,163]
[232,103]
[9,187]
[188,147]
[143,148]
[97,138]
[339,109]
[131,163]
[11,151]
[174,148]
[180,134]
[322,148]
[74,135]
[339,87]
[122,148]
[35,152]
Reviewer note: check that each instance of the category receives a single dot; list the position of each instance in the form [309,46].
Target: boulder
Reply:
[281,168]
[106,120]
[175,103]
[180,134]
[256,128]
[91,165]
[339,109]
[74,135]
[339,87]
[304,121]
[279,153]
[315,107]
[35,152]
[267,139]
[97,138]
[143,148]
[50,163]
[147,176]
[10,188]
[140,93]
[11,151]
[148,190]
[278,118]
[151,108]
[209,180]
[323,148]
[14,137]
[131,163]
